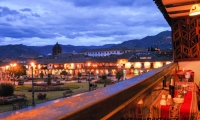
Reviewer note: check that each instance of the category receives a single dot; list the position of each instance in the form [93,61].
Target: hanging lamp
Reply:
[195,10]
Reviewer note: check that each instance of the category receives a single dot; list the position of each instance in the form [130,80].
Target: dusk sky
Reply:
[78,22]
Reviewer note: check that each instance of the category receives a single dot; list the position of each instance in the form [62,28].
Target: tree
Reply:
[6,89]
[64,73]
[119,74]
[19,70]
[104,77]
[79,75]
[92,73]
[41,75]
[49,80]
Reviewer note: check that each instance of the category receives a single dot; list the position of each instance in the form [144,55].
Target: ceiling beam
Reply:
[180,11]
[181,4]
[161,7]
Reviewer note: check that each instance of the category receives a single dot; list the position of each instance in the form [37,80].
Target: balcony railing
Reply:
[110,102]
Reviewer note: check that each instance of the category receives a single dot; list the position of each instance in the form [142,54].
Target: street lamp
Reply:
[33,102]
[89,82]
[12,66]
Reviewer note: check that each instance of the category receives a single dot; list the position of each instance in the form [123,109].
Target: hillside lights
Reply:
[195,10]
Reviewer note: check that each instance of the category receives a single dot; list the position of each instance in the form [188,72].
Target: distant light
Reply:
[137,65]
[13,64]
[168,62]
[157,65]
[32,64]
[147,65]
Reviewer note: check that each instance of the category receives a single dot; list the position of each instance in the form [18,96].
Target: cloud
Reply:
[5,11]
[26,10]
[109,3]
[24,32]
[78,22]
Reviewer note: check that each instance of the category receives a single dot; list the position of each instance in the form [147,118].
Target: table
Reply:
[187,110]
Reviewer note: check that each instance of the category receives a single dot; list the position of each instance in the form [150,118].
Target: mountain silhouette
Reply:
[163,40]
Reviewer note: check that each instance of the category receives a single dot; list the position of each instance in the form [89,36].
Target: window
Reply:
[142,57]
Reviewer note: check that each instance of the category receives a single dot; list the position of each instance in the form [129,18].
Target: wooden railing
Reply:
[108,103]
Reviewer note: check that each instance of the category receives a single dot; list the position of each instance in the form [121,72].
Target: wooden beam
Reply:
[162,9]
[181,4]
[180,11]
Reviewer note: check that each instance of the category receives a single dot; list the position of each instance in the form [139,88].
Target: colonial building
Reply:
[131,61]
[109,51]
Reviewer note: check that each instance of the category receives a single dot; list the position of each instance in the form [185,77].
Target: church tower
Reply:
[56,49]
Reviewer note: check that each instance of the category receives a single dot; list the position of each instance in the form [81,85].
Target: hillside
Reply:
[162,40]
[11,51]
[66,48]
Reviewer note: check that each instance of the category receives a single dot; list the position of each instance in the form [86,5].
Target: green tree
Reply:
[119,74]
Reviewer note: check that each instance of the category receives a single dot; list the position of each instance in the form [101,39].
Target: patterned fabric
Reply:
[198,116]
[151,108]
[187,110]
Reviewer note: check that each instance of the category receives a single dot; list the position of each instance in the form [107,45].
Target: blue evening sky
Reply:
[78,22]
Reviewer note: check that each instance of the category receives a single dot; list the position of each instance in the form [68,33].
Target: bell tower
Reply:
[56,49]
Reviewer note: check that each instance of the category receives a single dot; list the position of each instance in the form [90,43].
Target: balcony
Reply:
[111,102]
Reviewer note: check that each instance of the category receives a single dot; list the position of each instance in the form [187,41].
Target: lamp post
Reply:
[33,101]
[89,81]
[12,66]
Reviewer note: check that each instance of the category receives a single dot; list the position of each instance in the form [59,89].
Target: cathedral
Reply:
[56,49]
